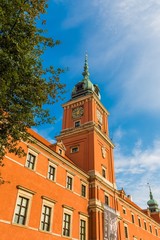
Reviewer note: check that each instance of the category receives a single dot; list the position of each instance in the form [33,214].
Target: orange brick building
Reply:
[68,190]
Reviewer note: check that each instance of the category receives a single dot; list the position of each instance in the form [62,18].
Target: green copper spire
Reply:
[153,205]
[85,86]
[86,72]
[150,194]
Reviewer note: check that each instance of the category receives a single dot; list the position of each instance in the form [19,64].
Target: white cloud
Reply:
[138,168]
[118,134]
[125,34]
[139,160]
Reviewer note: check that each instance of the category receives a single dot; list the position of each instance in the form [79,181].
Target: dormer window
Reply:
[60,151]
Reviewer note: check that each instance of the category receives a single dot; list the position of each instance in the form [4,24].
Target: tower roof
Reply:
[153,205]
[85,86]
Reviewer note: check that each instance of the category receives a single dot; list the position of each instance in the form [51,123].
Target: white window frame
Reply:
[69,211]
[150,228]
[156,231]
[30,151]
[139,222]
[55,173]
[24,193]
[84,218]
[72,177]
[145,225]
[126,226]
[50,204]
[85,185]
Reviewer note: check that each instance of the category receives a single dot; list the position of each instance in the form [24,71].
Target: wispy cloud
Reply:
[138,168]
[125,34]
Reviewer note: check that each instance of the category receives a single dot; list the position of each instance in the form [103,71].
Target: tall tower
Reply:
[85,129]
[86,139]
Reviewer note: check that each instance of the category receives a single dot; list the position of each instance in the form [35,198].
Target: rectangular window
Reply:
[156,231]
[46,218]
[31,159]
[106,200]
[150,228]
[82,230]
[103,172]
[145,226]
[51,172]
[21,210]
[139,222]
[23,205]
[77,124]
[60,151]
[74,149]
[69,182]
[126,231]
[66,225]
[132,218]
[83,190]
[124,211]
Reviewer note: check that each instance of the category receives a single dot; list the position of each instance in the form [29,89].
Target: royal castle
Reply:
[67,190]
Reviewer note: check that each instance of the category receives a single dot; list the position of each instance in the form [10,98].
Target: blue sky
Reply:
[122,39]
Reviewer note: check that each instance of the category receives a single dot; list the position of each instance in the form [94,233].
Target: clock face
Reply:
[77,112]
[99,116]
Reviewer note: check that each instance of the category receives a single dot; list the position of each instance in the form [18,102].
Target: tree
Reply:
[25,85]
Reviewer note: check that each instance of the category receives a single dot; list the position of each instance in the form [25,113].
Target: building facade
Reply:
[68,190]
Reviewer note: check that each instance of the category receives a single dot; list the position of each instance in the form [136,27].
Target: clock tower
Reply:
[86,139]
[85,129]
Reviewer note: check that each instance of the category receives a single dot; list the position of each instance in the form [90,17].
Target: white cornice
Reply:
[84,98]
[56,155]
[89,126]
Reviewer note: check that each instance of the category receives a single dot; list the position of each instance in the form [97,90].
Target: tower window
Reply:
[106,200]
[74,149]
[77,124]
[104,172]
